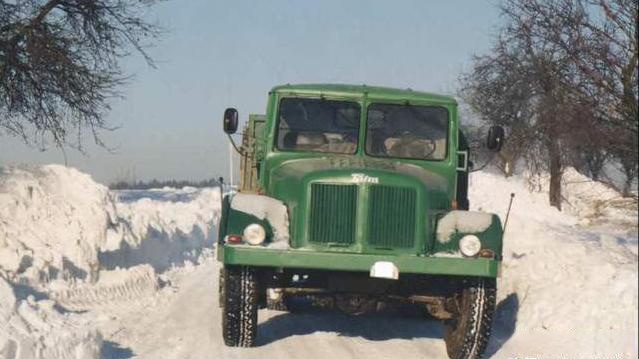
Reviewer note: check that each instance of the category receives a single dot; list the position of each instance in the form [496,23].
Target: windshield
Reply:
[407,131]
[318,125]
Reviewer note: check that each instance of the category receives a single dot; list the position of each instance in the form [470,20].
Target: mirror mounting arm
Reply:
[237,149]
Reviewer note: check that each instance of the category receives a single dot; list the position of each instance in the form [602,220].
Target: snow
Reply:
[116,286]
[52,222]
[161,227]
[462,221]
[455,254]
[74,245]
[34,330]
[264,207]
[86,272]
[568,289]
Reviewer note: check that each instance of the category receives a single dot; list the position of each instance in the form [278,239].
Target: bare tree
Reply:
[563,83]
[519,86]
[59,64]
[599,38]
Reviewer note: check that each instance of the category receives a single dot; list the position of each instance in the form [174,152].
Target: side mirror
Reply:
[495,138]
[230,120]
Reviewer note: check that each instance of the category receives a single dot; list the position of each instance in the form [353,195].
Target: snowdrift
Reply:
[591,202]
[568,289]
[161,227]
[30,330]
[53,222]
[72,243]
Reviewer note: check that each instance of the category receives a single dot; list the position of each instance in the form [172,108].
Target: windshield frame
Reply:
[359,106]
[405,103]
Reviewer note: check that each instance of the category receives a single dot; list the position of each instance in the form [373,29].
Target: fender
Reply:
[242,209]
[456,224]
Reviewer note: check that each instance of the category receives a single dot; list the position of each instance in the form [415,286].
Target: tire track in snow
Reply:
[188,325]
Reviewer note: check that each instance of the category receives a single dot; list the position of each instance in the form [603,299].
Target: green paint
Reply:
[389,209]
[263,257]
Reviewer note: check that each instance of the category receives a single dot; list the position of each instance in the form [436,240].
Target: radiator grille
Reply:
[333,214]
[391,217]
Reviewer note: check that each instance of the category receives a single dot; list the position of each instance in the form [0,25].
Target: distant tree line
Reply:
[154,183]
[562,78]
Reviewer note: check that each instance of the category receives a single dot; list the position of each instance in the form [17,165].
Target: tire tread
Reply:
[467,336]
[239,319]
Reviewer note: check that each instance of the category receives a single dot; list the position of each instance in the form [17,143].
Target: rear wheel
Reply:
[467,333]
[239,311]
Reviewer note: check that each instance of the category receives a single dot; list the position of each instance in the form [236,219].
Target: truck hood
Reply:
[298,169]
[332,201]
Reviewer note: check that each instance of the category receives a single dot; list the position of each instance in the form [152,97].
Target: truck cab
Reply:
[356,197]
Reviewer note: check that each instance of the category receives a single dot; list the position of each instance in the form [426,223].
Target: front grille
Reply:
[391,217]
[333,214]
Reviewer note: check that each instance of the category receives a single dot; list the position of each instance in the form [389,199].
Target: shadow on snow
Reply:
[160,249]
[111,350]
[382,326]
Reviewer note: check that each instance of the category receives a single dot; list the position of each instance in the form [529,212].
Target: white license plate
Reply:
[386,270]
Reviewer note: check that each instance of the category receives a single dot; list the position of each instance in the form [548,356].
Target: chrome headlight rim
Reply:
[470,245]
[254,234]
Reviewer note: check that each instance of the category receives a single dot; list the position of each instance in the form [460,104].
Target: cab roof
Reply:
[358,91]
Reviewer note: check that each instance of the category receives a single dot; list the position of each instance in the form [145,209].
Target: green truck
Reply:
[356,197]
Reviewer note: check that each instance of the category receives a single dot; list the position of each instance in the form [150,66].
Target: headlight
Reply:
[469,245]
[254,234]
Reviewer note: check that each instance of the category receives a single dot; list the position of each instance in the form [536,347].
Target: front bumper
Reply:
[296,258]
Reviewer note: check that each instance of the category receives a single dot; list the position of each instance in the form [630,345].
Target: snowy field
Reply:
[90,273]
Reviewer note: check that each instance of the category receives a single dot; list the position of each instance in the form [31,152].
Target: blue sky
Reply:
[219,54]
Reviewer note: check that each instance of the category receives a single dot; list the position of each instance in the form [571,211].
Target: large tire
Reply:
[221,297]
[239,312]
[467,334]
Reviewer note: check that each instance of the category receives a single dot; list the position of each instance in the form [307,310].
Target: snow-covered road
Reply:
[187,325]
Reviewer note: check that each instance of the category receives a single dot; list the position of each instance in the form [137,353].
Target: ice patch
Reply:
[263,207]
[462,221]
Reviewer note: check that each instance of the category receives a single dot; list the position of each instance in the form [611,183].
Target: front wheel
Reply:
[239,311]
[466,334]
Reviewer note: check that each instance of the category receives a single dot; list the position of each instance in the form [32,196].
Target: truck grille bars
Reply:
[391,217]
[333,214]
[389,213]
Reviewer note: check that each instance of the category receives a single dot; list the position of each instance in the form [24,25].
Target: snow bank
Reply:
[161,227]
[67,238]
[568,290]
[34,330]
[57,223]
[171,211]
[53,221]
[591,201]
[596,201]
